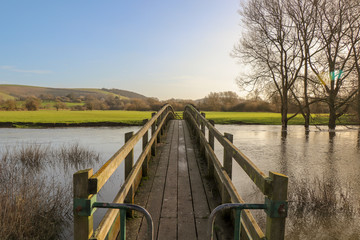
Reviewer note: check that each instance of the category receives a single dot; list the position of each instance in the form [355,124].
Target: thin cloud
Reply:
[14,69]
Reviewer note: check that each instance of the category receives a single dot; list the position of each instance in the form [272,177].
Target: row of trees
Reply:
[304,50]
[215,101]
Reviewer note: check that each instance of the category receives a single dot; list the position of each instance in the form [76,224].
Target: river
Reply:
[316,155]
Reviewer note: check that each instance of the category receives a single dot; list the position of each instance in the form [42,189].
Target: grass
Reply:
[67,117]
[267,118]
[74,117]
[32,205]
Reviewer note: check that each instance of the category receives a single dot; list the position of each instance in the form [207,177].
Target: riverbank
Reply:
[66,118]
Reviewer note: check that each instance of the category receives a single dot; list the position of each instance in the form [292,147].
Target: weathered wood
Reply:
[167,229]
[156,192]
[105,172]
[145,140]
[83,225]
[186,224]
[228,155]
[169,208]
[202,124]
[275,227]
[153,128]
[129,159]
[257,176]
[224,181]
[212,145]
[110,216]
[129,163]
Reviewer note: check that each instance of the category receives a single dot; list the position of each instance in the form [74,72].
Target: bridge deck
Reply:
[176,193]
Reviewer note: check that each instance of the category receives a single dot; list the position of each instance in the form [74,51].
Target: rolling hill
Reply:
[22,91]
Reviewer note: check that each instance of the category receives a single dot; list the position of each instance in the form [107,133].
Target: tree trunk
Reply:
[284,111]
[307,119]
[332,112]
[358,103]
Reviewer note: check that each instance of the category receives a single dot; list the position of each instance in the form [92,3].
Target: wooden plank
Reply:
[155,199]
[83,225]
[227,162]
[275,227]
[145,140]
[109,218]
[201,207]
[167,229]
[169,208]
[186,223]
[100,177]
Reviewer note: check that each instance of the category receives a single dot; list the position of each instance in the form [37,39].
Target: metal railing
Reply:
[238,207]
[123,207]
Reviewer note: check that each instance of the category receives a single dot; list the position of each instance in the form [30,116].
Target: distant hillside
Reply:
[21,91]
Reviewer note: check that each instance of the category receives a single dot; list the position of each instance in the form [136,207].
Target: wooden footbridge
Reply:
[176,183]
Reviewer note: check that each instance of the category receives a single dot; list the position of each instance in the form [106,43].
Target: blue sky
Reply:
[165,49]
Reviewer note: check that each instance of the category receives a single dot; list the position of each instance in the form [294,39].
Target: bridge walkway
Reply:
[176,192]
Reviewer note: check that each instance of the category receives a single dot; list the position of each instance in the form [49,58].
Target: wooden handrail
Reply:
[97,181]
[87,185]
[111,214]
[274,186]
[248,218]
[256,175]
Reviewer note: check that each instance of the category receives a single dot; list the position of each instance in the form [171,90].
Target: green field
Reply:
[73,117]
[66,117]
[267,118]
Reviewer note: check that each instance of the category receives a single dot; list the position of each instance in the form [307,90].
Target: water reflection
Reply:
[325,165]
[283,154]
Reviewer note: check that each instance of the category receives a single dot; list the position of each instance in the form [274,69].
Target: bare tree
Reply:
[334,64]
[304,15]
[270,45]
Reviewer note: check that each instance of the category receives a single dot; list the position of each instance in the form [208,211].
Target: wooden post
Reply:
[145,141]
[129,163]
[225,197]
[202,124]
[153,147]
[129,160]
[158,121]
[83,225]
[228,156]
[275,226]
[212,145]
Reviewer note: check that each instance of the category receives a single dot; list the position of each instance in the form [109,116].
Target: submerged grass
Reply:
[319,209]
[32,205]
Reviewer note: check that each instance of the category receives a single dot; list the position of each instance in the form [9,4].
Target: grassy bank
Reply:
[72,118]
[267,118]
[52,118]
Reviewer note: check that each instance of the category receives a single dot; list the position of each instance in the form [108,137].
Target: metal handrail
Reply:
[123,207]
[239,207]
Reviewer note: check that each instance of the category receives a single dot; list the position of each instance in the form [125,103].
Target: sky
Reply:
[159,48]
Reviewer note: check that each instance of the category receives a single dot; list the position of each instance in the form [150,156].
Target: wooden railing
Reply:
[274,186]
[87,185]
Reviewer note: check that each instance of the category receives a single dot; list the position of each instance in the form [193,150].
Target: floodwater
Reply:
[312,161]
[315,155]
[102,140]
